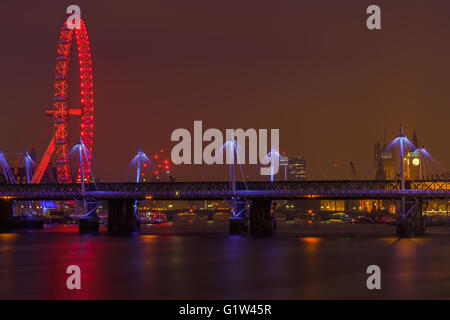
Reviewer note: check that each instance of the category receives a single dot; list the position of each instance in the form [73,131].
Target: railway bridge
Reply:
[257,196]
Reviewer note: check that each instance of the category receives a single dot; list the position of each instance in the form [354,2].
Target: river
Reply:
[196,259]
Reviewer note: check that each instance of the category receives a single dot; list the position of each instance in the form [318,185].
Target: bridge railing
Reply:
[430,185]
[253,188]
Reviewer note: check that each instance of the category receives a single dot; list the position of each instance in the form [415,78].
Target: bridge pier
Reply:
[6,215]
[414,222]
[29,222]
[420,219]
[239,225]
[405,227]
[121,216]
[262,222]
[91,223]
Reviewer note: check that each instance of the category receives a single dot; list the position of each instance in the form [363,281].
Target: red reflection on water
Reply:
[67,228]
[60,228]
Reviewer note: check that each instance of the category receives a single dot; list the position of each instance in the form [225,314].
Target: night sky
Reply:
[309,68]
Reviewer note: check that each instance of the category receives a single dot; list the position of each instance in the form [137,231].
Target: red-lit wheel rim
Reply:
[61,101]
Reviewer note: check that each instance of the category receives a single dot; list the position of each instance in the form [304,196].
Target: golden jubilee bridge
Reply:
[273,190]
[251,202]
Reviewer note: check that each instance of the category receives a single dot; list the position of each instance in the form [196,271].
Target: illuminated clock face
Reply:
[415,161]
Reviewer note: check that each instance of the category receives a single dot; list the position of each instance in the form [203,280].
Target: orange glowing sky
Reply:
[309,68]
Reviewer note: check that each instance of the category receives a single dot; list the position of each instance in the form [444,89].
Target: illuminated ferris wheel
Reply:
[59,144]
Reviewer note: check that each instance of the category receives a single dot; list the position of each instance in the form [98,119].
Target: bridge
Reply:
[257,196]
[274,190]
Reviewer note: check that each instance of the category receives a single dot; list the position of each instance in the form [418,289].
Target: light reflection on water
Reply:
[199,260]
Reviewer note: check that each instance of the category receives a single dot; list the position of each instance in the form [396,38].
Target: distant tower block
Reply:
[296,169]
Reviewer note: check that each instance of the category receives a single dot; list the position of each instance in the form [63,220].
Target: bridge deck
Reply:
[342,189]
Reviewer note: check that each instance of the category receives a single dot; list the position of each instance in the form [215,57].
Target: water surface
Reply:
[194,259]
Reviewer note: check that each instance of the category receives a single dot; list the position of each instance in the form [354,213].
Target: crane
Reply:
[352,168]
